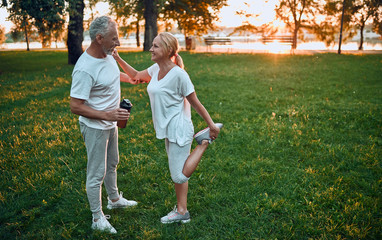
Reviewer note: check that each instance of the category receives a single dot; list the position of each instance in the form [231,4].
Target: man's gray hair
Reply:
[100,25]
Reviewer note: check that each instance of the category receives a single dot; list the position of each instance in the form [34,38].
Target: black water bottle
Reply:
[125,104]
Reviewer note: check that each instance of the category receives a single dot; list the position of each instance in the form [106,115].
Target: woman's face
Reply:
[158,52]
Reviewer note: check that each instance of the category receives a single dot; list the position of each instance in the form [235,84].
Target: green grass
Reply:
[299,156]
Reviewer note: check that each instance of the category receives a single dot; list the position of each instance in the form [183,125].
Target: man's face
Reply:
[110,40]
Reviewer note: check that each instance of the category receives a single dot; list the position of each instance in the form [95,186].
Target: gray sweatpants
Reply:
[103,158]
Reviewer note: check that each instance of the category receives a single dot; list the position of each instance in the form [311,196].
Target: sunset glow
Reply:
[255,12]
[264,10]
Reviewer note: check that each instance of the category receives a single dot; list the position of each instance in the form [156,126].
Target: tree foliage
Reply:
[2,34]
[47,16]
[131,12]
[18,14]
[129,15]
[194,17]
[363,11]
[357,13]
[247,27]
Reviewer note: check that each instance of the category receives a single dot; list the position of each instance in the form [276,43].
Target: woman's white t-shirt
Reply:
[171,111]
[97,81]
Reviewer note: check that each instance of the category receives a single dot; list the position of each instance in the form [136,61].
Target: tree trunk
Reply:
[151,28]
[361,38]
[294,43]
[137,34]
[75,30]
[26,36]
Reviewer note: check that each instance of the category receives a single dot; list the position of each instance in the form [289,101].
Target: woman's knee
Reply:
[179,178]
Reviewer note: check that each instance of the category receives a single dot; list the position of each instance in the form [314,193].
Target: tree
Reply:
[295,14]
[328,27]
[127,10]
[138,10]
[75,30]
[16,35]
[362,12]
[357,13]
[151,18]
[377,24]
[194,17]
[2,34]
[47,17]
[18,14]
[247,27]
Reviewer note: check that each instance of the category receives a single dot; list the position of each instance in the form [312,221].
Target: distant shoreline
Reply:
[226,51]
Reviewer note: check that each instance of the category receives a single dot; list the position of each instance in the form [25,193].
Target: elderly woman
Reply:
[171,92]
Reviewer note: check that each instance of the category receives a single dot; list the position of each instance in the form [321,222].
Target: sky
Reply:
[228,16]
[263,8]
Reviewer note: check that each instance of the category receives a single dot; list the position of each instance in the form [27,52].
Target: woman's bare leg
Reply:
[194,159]
[190,165]
[181,191]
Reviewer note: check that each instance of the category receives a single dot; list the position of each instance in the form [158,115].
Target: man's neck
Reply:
[95,50]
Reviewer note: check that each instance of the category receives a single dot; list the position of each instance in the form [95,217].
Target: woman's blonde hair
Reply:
[171,44]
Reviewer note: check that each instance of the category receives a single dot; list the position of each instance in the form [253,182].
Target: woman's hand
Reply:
[214,131]
[116,55]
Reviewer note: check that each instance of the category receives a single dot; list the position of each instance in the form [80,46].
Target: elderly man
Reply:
[95,96]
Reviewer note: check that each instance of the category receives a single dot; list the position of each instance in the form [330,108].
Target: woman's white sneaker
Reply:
[103,224]
[174,216]
[205,134]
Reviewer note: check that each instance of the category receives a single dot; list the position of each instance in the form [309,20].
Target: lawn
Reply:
[299,156]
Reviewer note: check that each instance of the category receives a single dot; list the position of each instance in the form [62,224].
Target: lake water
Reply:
[239,45]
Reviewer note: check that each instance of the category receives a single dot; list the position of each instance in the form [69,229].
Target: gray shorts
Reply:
[177,157]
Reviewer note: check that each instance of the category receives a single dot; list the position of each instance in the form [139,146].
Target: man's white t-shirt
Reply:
[171,111]
[97,81]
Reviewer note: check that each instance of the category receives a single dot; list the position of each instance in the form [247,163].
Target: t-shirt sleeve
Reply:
[82,84]
[185,87]
[151,70]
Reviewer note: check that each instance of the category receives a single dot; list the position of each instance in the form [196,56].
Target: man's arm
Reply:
[77,106]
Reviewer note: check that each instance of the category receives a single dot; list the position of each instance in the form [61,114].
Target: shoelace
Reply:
[173,213]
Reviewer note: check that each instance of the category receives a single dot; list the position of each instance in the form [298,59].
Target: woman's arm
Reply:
[138,76]
[126,78]
[201,110]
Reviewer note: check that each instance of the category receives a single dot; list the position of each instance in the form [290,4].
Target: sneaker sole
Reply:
[110,207]
[105,230]
[206,129]
[201,132]
[182,221]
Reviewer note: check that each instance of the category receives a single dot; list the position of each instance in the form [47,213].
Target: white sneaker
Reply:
[121,203]
[174,216]
[103,225]
[205,134]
